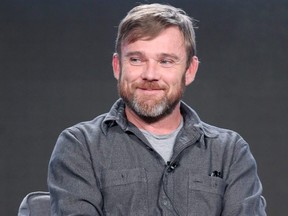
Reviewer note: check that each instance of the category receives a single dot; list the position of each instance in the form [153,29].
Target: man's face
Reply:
[153,73]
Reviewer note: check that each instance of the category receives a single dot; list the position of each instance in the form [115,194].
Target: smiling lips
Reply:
[149,86]
[150,89]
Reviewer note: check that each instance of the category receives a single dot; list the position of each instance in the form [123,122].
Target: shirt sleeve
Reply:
[71,179]
[243,194]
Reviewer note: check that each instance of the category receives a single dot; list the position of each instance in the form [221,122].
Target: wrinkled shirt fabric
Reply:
[107,167]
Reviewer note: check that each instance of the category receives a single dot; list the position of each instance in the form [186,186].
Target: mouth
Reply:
[150,89]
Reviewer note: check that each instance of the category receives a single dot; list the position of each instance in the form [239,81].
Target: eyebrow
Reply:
[170,55]
[133,53]
[161,55]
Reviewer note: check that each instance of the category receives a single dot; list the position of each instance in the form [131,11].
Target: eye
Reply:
[135,61]
[167,62]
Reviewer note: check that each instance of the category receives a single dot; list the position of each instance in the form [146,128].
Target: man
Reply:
[151,154]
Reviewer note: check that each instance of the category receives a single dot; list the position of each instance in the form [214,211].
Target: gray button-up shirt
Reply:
[107,167]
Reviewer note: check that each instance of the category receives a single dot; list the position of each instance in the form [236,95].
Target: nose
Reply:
[150,72]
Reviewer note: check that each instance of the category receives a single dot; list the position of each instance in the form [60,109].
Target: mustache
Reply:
[151,85]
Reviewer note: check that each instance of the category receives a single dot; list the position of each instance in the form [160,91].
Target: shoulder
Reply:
[213,134]
[90,126]
[85,129]
[216,131]
[222,137]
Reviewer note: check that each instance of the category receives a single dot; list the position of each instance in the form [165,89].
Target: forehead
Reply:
[170,40]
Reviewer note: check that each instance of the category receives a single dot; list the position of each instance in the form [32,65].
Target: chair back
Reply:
[35,204]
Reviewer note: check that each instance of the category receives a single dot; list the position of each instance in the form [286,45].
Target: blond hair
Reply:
[148,20]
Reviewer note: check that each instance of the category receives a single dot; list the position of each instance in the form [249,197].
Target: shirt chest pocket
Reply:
[125,192]
[205,195]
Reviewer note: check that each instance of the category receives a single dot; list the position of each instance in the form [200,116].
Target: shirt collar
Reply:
[192,120]
[117,115]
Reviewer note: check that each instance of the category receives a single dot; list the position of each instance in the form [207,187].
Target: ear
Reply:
[116,65]
[191,71]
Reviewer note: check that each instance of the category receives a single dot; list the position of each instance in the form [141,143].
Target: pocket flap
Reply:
[122,177]
[207,183]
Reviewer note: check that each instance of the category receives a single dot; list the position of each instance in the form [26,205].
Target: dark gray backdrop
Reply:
[55,63]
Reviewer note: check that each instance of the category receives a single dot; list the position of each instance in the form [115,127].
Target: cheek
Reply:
[176,85]
[126,81]
[129,80]
[176,82]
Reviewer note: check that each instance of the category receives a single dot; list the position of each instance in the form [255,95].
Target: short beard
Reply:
[151,113]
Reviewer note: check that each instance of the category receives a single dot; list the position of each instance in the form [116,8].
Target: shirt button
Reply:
[165,202]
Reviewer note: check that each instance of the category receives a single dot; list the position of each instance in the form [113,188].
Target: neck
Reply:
[162,126]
